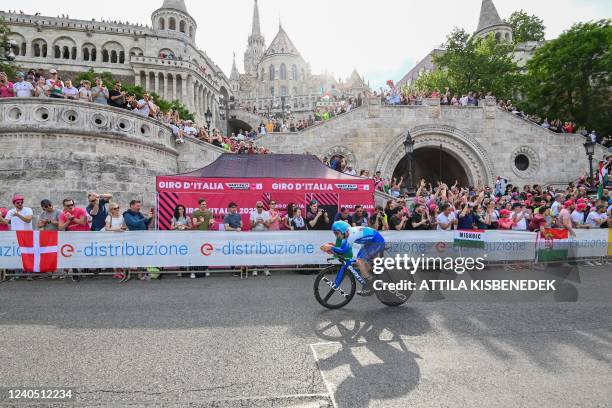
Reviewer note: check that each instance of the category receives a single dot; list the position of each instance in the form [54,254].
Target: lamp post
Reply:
[208,118]
[409,149]
[589,148]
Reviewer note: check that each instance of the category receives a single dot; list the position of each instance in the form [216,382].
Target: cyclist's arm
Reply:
[343,249]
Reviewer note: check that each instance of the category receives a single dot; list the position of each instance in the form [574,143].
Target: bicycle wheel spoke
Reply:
[329,295]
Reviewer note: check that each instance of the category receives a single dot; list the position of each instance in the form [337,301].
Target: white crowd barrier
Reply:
[223,248]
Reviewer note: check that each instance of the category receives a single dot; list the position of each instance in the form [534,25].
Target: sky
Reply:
[381,39]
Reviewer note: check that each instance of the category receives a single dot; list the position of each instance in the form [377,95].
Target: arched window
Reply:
[283,72]
[73,53]
[162,24]
[182,26]
[93,54]
[44,50]
[85,54]
[23,49]
[283,90]
[66,52]
[271,73]
[121,57]
[271,91]
[498,36]
[113,57]
[191,32]
[263,74]
[36,47]
[172,24]
[507,36]
[104,55]
[294,72]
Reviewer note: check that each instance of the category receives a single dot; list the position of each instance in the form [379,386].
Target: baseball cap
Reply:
[581,206]
[19,74]
[313,202]
[45,202]
[17,197]
[504,212]
[52,71]
[568,203]
[515,205]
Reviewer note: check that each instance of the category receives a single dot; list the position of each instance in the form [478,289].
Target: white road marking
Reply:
[328,385]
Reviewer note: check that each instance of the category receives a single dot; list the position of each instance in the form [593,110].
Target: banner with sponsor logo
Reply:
[245,192]
[222,248]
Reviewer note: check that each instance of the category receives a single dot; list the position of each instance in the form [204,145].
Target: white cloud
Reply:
[381,39]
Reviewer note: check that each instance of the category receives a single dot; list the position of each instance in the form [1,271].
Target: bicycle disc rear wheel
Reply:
[397,297]
[330,297]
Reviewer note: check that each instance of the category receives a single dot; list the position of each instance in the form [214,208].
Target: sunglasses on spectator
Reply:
[93,201]
[46,206]
[18,202]
[260,206]
[114,208]
[69,205]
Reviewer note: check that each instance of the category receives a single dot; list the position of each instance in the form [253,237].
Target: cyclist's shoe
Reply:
[367,289]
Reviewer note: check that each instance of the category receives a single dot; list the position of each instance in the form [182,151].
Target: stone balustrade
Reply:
[83,118]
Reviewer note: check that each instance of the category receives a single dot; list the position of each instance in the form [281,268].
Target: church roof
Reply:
[281,44]
[176,5]
[489,16]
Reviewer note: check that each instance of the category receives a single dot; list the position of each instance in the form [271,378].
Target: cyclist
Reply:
[372,245]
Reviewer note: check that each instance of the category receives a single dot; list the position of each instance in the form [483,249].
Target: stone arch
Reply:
[39,48]
[136,52]
[88,51]
[459,144]
[271,72]
[62,47]
[342,151]
[21,46]
[166,53]
[115,51]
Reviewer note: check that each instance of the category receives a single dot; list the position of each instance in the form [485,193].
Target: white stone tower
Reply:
[173,17]
[257,45]
[490,22]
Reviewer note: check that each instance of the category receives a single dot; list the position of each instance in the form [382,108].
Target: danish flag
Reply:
[38,250]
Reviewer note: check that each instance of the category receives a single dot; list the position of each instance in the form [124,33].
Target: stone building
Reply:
[162,58]
[278,77]
[489,23]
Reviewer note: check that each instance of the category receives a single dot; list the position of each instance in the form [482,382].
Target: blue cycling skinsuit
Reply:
[372,243]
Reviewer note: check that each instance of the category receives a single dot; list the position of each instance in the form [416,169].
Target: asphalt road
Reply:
[265,342]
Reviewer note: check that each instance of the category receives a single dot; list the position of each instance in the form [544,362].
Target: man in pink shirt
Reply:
[565,217]
[72,218]
[6,87]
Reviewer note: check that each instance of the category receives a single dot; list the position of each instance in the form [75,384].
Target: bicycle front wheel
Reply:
[330,295]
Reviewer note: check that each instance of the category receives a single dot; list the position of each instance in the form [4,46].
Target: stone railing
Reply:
[22,115]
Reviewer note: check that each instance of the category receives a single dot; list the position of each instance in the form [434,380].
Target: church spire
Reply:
[256,31]
[235,75]
[488,16]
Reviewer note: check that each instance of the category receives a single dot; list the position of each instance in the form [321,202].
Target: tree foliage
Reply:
[569,77]
[477,64]
[526,27]
[109,82]
[5,66]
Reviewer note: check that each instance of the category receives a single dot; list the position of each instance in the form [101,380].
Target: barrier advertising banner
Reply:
[221,248]
[245,192]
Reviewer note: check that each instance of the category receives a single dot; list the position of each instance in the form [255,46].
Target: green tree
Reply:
[5,66]
[569,77]
[436,79]
[526,27]
[477,64]
[109,82]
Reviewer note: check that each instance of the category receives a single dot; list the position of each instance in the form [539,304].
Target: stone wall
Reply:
[485,140]
[56,149]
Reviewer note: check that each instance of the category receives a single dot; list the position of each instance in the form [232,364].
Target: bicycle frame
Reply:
[348,264]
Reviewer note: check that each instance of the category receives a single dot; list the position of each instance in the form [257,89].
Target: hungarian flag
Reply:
[38,250]
[469,239]
[553,245]
[603,178]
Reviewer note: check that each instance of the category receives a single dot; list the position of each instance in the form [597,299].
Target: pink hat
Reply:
[581,206]
[18,197]
[3,211]
[568,203]
[581,200]
[505,212]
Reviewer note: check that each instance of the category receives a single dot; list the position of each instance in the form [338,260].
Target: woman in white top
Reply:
[114,221]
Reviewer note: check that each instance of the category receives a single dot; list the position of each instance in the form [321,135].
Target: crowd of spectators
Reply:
[37,83]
